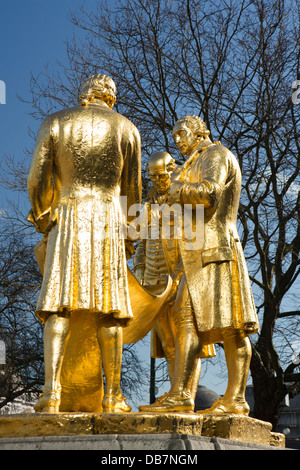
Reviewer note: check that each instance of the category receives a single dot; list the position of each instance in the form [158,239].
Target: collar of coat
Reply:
[186,165]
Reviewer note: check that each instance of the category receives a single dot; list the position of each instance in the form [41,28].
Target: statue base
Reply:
[187,430]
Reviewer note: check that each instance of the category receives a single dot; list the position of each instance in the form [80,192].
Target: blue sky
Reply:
[32,35]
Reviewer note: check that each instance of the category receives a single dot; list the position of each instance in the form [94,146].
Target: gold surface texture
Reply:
[81,374]
[86,159]
[43,424]
[237,428]
[190,295]
[94,154]
[155,258]
[214,302]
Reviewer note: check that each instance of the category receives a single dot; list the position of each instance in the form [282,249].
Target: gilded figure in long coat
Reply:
[158,255]
[214,301]
[85,158]
[151,266]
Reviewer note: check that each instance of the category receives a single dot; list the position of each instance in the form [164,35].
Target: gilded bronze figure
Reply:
[157,257]
[85,158]
[151,266]
[214,301]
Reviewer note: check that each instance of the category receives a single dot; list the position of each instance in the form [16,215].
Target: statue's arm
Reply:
[139,261]
[211,181]
[40,182]
[131,185]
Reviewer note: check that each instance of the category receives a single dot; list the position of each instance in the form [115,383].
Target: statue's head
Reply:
[101,87]
[160,167]
[188,133]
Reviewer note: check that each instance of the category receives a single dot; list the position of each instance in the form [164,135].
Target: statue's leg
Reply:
[197,372]
[110,338]
[187,365]
[238,352]
[195,379]
[187,350]
[162,328]
[56,334]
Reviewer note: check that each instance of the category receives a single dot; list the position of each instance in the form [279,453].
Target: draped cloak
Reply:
[216,275]
[85,159]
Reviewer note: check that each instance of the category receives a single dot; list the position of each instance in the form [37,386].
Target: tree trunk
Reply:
[269,390]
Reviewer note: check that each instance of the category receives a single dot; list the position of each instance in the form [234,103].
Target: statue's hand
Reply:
[40,223]
[176,278]
[174,192]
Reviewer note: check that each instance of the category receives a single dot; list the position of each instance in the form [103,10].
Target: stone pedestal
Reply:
[241,428]
[135,431]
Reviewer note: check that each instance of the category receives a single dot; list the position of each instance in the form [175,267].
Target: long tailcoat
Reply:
[216,273]
[85,159]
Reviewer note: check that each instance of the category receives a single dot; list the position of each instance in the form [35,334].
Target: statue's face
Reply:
[184,139]
[160,178]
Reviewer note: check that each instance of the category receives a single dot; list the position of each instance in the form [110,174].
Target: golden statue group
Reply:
[86,163]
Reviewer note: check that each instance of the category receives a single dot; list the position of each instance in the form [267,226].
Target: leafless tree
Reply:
[22,373]
[20,331]
[233,63]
